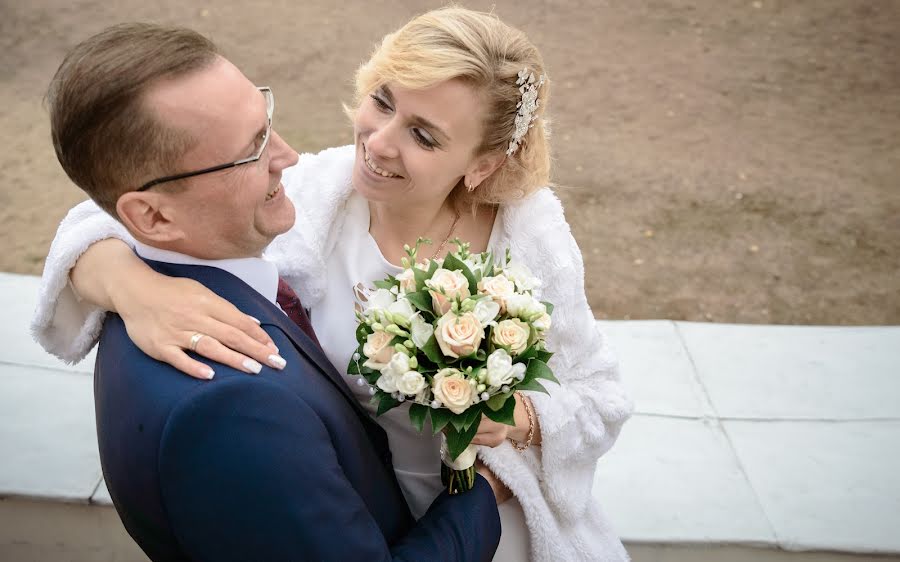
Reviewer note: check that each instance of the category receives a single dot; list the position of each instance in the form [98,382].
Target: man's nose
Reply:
[282,155]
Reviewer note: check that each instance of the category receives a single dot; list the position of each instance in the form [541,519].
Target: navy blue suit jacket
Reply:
[284,465]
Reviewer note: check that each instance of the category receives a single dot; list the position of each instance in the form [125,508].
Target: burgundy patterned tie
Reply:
[290,304]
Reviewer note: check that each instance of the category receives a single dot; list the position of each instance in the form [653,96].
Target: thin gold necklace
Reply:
[447,239]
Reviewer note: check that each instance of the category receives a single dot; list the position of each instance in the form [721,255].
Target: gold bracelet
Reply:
[529,409]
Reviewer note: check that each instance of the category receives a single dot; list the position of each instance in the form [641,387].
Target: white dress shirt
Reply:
[260,274]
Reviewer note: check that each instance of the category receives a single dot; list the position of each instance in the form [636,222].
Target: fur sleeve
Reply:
[319,186]
[62,323]
[582,416]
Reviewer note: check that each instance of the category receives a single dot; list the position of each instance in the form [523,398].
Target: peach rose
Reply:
[453,390]
[499,288]
[378,349]
[407,281]
[458,336]
[512,335]
[445,286]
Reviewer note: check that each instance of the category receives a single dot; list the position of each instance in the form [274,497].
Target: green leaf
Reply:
[533,384]
[543,355]
[420,300]
[433,351]
[432,267]
[465,420]
[458,441]
[533,335]
[537,369]
[458,421]
[506,414]
[440,417]
[527,355]
[453,263]
[417,415]
[420,277]
[353,368]
[385,284]
[386,403]
[549,306]
[362,332]
[496,402]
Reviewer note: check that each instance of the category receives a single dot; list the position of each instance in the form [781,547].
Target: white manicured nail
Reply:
[255,319]
[209,374]
[277,361]
[252,366]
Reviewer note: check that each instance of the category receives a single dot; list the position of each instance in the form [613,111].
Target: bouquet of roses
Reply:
[456,338]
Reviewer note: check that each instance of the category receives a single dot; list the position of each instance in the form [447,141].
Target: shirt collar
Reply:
[260,274]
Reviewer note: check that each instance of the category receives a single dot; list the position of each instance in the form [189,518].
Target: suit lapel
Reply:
[249,301]
[312,351]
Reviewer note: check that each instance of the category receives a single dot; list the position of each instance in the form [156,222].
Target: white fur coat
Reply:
[580,419]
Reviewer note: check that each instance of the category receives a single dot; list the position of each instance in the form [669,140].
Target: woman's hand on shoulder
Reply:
[166,316]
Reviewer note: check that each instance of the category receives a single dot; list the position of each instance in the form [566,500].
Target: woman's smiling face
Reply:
[414,146]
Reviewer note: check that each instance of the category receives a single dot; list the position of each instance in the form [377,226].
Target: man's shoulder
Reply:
[130,383]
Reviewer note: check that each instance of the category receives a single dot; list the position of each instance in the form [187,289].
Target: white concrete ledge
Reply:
[775,443]
[783,437]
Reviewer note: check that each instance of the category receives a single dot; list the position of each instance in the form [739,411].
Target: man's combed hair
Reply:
[105,137]
[479,49]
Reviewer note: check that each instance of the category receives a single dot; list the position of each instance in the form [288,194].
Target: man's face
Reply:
[234,212]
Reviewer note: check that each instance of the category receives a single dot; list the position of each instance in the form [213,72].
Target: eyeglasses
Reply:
[270,109]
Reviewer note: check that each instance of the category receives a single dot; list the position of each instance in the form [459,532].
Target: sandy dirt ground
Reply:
[720,160]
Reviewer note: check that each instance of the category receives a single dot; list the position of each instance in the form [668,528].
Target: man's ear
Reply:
[482,167]
[147,216]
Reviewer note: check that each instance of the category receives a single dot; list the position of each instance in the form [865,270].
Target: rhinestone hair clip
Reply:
[525,117]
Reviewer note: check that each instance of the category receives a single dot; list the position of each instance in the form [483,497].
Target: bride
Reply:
[450,142]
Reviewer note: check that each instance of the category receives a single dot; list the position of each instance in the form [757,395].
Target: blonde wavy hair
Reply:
[482,51]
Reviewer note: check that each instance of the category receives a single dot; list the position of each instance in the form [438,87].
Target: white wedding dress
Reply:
[357,260]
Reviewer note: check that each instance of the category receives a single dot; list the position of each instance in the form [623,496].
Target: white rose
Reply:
[453,390]
[501,370]
[378,350]
[458,336]
[387,382]
[445,286]
[542,323]
[420,331]
[525,307]
[486,310]
[379,299]
[407,281]
[474,262]
[410,383]
[499,288]
[512,334]
[401,311]
[521,276]
[397,366]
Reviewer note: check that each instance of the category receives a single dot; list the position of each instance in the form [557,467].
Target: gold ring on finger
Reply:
[195,339]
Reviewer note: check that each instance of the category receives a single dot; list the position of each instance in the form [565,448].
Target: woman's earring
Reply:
[470,187]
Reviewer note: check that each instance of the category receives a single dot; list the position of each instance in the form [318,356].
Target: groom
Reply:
[171,139]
